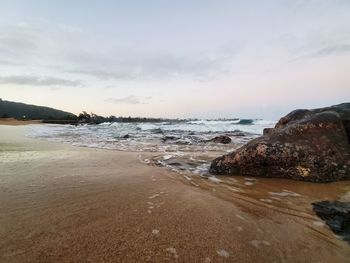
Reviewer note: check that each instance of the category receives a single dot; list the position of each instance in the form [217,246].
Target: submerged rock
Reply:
[308,145]
[336,214]
[224,139]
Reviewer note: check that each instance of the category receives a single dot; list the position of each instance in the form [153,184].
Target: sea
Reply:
[183,146]
[185,149]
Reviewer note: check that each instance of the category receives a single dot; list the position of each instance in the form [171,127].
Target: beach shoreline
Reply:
[15,122]
[62,203]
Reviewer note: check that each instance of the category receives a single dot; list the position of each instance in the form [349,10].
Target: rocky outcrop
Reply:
[336,214]
[308,145]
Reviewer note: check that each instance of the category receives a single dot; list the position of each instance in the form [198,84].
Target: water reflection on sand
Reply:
[282,196]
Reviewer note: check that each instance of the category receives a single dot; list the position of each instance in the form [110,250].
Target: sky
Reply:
[176,59]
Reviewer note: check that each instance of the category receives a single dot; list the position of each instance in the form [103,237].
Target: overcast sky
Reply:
[176,58]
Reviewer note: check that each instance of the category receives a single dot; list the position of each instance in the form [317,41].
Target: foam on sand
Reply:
[223,253]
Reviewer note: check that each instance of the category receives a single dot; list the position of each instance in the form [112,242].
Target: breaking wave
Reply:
[183,145]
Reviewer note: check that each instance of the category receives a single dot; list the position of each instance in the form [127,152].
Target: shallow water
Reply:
[175,144]
[108,198]
[283,196]
[164,136]
[289,197]
[185,149]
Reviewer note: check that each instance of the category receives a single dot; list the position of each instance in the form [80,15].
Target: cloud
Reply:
[17,43]
[147,65]
[331,50]
[128,100]
[41,46]
[310,52]
[104,75]
[38,81]
[7,63]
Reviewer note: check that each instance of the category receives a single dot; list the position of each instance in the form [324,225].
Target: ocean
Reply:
[178,145]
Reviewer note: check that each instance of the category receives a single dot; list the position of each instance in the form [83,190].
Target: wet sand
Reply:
[14,122]
[61,203]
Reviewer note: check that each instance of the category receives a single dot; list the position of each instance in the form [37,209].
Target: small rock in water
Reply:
[224,139]
[336,214]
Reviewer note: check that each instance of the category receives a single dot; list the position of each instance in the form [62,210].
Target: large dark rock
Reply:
[336,214]
[308,145]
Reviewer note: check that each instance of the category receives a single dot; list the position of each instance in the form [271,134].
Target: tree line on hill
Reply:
[22,111]
[17,110]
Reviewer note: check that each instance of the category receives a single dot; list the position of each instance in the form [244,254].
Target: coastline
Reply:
[14,122]
[64,203]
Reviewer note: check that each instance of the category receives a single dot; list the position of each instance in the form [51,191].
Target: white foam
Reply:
[143,136]
[155,231]
[167,157]
[214,179]
[318,223]
[235,189]
[223,253]
[153,196]
[240,217]
[187,177]
[257,243]
[249,179]
[173,251]
[284,193]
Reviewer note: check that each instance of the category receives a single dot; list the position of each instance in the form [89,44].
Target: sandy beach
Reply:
[15,122]
[61,203]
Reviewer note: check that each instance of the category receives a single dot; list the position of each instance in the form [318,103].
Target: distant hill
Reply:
[26,111]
